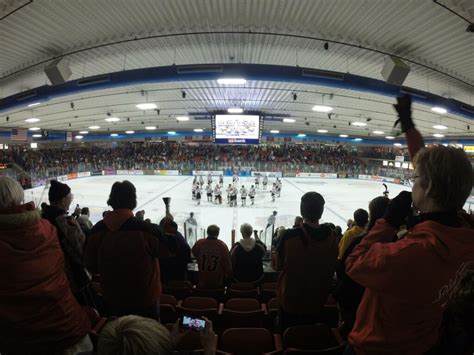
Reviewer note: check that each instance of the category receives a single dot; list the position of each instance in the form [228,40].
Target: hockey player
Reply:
[209,192]
[195,186]
[243,195]
[221,180]
[198,194]
[228,190]
[218,194]
[201,180]
[257,182]
[209,178]
[235,179]
[273,192]
[278,185]
[233,196]
[265,182]
[252,194]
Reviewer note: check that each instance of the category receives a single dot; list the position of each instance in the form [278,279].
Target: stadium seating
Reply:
[242,312]
[250,341]
[318,339]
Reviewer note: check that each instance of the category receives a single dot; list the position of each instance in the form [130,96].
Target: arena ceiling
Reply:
[99,37]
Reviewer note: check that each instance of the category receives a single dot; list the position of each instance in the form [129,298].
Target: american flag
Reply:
[19,134]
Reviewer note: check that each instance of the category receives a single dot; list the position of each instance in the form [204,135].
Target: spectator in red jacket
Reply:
[124,250]
[38,312]
[213,259]
[306,256]
[409,282]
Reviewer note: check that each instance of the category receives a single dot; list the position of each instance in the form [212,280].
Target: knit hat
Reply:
[58,191]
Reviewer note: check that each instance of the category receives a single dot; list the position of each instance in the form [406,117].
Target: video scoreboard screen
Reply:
[237,129]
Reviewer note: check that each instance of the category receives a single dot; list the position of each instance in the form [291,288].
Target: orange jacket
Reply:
[307,268]
[408,283]
[38,312]
[124,251]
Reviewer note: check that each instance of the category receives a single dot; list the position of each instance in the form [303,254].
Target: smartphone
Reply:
[193,323]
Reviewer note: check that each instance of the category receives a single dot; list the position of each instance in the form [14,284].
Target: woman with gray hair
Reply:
[38,311]
[247,255]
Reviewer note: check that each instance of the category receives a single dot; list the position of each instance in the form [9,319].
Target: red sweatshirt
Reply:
[408,284]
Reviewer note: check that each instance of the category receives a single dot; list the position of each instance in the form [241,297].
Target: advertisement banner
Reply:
[109,172]
[273,174]
[38,183]
[207,172]
[62,178]
[135,172]
[148,172]
[96,172]
[122,172]
[84,174]
[167,172]
[72,176]
[317,175]
[376,178]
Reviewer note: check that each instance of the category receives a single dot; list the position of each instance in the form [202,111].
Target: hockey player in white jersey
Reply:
[252,194]
[273,192]
[209,178]
[218,195]
[228,190]
[243,195]
[209,192]
[201,180]
[198,194]
[257,181]
[265,182]
[233,196]
[278,186]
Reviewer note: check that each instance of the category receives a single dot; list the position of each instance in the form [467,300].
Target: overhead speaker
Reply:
[395,71]
[58,71]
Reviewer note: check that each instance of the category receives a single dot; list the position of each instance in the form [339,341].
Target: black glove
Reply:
[398,209]
[403,108]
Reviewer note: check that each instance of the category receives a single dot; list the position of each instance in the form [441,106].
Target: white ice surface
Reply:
[343,197]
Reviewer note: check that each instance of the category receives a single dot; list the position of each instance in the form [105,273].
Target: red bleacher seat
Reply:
[250,341]
[243,312]
[318,339]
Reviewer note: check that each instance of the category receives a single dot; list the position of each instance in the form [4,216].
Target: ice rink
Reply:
[342,198]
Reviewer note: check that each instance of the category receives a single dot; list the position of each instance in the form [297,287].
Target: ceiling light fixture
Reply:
[150,128]
[359,124]
[32,120]
[34,104]
[182,118]
[129,132]
[390,137]
[274,131]
[322,131]
[440,127]
[301,135]
[112,119]
[146,106]
[113,134]
[231,81]
[235,110]
[343,135]
[322,108]
[438,135]
[288,120]
[397,144]
[357,139]
[94,127]
[78,137]
[35,129]
[37,136]
[171,132]
[440,110]
[378,132]
[83,132]
[198,130]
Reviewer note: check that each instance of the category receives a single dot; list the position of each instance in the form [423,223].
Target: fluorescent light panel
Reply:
[146,106]
[182,118]
[440,127]
[94,127]
[288,120]
[322,108]
[34,128]
[231,81]
[32,120]
[359,124]
[34,104]
[235,110]
[440,110]
[112,119]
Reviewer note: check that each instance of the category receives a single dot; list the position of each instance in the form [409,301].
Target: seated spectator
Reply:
[84,221]
[124,251]
[133,335]
[38,312]
[174,266]
[361,218]
[247,255]
[348,293]
[409,282]
[71,238]
[213,259]
[306,257]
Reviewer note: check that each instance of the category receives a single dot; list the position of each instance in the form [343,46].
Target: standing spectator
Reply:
[361,218]
[174,266]
[213,259]
[306,257]
[247,255]
[410,282]
[84,221]
[38,312]
[191,226]
[71,238]
[124,251]
[348,293]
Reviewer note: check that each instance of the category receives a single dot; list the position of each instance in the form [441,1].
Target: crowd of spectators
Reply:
[49,162]
[404,269]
